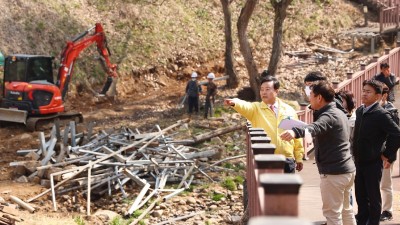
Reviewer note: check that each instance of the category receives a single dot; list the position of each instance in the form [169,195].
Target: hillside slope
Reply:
[156,44]
[153,39]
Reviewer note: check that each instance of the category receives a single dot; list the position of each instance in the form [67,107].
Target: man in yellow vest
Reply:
[267,114]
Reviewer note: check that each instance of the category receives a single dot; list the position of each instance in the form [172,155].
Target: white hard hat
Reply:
[194,74]
[211,76]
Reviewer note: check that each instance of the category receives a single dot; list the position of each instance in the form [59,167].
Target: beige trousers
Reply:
[387,189]
[335,193]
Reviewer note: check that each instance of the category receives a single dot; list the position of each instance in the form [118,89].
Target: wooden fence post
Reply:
[281,194]
[362,66]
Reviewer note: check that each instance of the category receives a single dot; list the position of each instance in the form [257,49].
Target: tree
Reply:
[280,7]
[244,45]
[233,81]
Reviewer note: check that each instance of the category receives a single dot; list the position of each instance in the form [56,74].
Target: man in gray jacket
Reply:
[332,153]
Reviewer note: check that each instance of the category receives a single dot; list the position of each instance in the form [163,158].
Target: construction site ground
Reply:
[142,112]
[137,113]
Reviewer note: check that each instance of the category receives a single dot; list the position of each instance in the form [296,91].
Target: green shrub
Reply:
[217,197]
[137,213]
[229,184]
[228,165]
[240,167]
[117,221]
[230,147]
[78,220]
[239,179]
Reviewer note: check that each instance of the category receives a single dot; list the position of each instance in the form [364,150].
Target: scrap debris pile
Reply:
[320,55]
[106,162]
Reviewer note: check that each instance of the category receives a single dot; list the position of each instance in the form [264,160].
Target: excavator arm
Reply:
[72,50]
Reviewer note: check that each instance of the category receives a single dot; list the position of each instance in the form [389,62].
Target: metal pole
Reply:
[88,188]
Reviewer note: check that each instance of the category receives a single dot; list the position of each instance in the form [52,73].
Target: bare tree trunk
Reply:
[280,16]
[245,49]
[233,80]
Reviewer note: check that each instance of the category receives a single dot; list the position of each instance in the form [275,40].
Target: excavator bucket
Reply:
[13,115]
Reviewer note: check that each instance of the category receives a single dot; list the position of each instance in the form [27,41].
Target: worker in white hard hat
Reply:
[193,90]
[210,97]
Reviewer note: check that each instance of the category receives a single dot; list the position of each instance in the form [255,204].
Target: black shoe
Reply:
[386,215]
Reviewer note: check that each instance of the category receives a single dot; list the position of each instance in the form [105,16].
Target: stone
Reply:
[229,140]
[49,171]
[66,197]
[22,179]
[19,171]
[158,213]
[31,166]
[33,156]
[2,201]
[219,192]
[26,136]
[107,213]
[204,159]
[216,140]
[45,183]
[163,206]
[213,207]
[235,219]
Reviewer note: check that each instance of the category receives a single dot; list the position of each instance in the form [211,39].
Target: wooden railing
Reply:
[387,3]
[389,18]
[353,82]
[272,195]
[270,192]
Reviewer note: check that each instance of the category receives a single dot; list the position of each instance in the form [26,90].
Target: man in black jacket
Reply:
[332,153]
[373,127]
[387,78]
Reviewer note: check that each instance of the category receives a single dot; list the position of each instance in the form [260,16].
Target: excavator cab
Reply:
[29,88]
[28,68]
[30,92]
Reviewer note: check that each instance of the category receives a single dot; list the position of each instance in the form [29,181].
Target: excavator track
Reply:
[34,123]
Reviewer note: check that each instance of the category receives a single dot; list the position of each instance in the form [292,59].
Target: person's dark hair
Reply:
[384,65]
[385,89]
[348,96]
[324,89]
[273,79]
[265,73]
[314,76]
[376,85]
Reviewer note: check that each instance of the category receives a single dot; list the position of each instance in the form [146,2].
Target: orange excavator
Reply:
[30,94]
